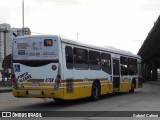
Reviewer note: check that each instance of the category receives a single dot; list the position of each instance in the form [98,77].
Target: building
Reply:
[5,42]
[6,37]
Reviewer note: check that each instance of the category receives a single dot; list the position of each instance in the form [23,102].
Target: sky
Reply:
[123,24]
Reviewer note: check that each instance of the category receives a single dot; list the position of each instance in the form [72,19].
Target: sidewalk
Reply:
[5,89]
[153,82]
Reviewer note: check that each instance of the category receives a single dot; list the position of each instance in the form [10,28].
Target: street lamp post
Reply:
[22,13]
[77,35]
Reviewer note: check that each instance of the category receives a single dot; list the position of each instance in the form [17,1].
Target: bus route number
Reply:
[49,79]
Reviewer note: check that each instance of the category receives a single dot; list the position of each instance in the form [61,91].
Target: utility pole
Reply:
[22,17]
[77,34]
[22,13]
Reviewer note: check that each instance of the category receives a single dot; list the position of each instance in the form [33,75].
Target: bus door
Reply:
[116,75]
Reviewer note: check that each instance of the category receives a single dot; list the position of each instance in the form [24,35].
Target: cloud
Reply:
[97,21]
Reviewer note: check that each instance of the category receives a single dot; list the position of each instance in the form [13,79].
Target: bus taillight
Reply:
[58,82]
[14,81]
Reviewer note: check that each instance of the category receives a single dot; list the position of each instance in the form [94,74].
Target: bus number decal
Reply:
[49,80]
[85,79]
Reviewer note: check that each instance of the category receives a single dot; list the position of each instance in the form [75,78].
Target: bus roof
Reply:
[70,41]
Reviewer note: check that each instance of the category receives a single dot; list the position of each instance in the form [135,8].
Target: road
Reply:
[144,99]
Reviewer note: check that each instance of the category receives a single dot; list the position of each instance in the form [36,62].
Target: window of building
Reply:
[80,58]
[69,57]
[124,65]
[94,60]
[106,62]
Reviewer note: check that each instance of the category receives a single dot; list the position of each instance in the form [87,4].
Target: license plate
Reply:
[34,92]
[35,83]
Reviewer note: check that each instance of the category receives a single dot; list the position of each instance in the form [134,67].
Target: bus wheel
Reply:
[132,88]
[95,91]
[58,100]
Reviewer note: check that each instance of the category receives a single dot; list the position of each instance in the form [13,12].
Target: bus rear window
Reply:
[35,63]
[48,42]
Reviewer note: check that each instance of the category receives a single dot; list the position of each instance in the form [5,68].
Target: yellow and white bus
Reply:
[50,66]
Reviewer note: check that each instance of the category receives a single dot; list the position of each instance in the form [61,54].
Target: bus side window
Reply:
[106,62]
[140,68]
[131,66]
[124,65]
[80,58]
[69,57]
[135,66]
[94,60]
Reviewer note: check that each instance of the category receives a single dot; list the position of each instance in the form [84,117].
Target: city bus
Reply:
[51,66]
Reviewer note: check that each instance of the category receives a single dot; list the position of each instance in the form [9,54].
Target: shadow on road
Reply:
[58,106]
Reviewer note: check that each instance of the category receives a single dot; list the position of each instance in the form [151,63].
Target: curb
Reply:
[5,90]
[154,82]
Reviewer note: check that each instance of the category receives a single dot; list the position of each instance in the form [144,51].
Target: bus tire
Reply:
[58,100]
[95,91]
[132,88]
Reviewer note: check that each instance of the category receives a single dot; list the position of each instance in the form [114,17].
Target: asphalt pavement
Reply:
[144,99]
[9,88]
[5,89]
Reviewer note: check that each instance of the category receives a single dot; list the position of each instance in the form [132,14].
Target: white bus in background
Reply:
[58,68]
